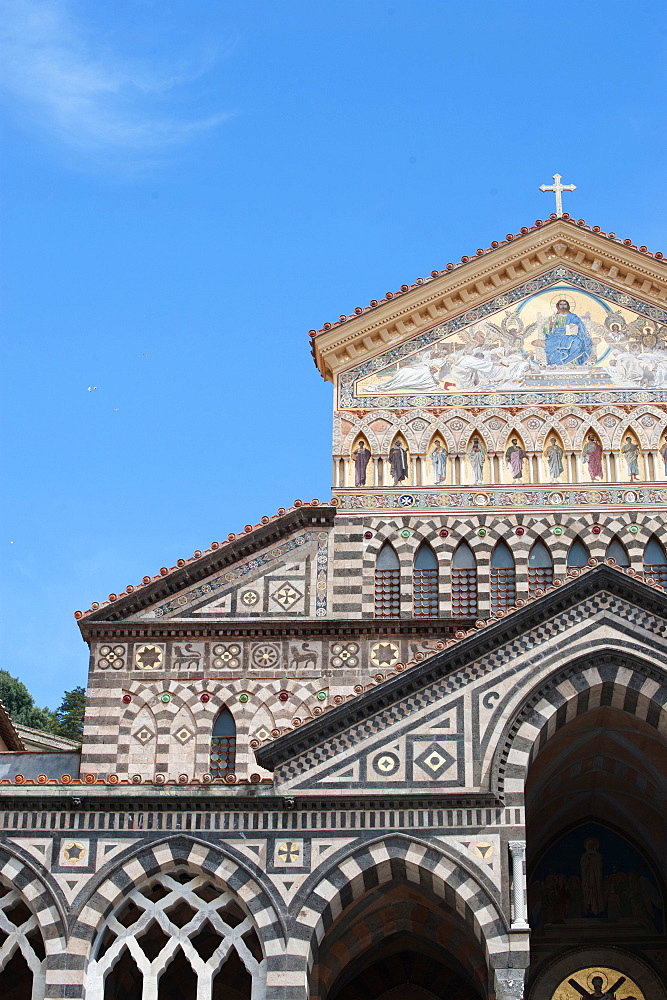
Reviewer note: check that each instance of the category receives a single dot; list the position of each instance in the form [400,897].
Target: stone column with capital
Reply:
[517,853]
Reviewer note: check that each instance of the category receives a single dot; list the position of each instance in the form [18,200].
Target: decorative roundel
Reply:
[250,598]
[126,699]
[321,696]
[165,698]
[386,763]
[111,656]
[405,533]
[444,533]
[558,530]
[368,534]
[244,697]
[345,654]
[265,654]
[227,655]
[481,532]
[596,529]
[519,531]
[205,697]
[406,500]
[634,528]
[283,696]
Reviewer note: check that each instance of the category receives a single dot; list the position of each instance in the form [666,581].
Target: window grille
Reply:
[425,583]
[464,582]
[387,583]
[655,562]
[223,745]
[540,568]
[503,578]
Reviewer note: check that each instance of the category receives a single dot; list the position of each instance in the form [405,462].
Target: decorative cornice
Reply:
[447,293]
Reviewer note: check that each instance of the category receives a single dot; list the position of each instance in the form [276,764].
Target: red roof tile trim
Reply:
[581,223]
[198,554]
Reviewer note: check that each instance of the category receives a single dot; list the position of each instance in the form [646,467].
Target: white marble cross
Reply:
[558,189]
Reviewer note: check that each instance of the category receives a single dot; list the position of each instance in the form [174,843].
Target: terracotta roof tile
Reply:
[580,223]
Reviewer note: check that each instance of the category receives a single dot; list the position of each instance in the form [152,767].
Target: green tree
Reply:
[21,705]
[69,714]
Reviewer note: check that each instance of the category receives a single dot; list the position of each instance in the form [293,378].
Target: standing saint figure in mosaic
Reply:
[361,459]
[554,456]
[398,462]
[663,452]
[439,457]
[515,457]
[630,451]
[566,340]
[591,455]
[477,458]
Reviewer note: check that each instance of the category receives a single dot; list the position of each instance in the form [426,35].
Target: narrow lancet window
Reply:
[655,561]
[387,583]
[464,582]
[578,554]
[425,582]
[617,551]
[540,568]
[223,745]
[503,578]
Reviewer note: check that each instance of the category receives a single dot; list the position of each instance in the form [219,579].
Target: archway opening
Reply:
[178,981]
[399,941]
[125,982]
[595,826]
[16,979]
[233,981]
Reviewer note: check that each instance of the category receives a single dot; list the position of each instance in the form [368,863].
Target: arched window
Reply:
[617,551]
[425,583]
[503,578]
[578,554]
[223,744]
[540,567]
[189,936]
[464,582]
[387,583]
[655,561]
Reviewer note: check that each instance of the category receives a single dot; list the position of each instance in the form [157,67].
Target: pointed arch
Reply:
[182,744]
[655,561]
[515,458]
[398,460]
[630,459]
[464,582]
[503,578]
[425,582]
[578,554]
[438,455]
[592,455]
[617,551]
[223,744]
[143,743]
[360,461]
[540,567]
[476,456]
[387,583]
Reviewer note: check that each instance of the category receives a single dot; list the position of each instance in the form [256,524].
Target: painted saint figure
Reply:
[631,452]
[599,992]
[398,462]
[591,455]
[361,459]
[663,452]
[477,458]
[439,457]
[591,877]
[515,456]
[566,339]
[554,456]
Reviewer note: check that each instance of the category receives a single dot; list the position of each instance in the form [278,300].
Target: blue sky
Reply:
[189,187]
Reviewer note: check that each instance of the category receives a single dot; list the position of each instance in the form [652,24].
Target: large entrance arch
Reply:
[595,829]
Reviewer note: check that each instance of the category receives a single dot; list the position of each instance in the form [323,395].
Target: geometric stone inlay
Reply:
[149,657]
[183,735]
[435,759]
[286,596]
[144,735]
[384,654]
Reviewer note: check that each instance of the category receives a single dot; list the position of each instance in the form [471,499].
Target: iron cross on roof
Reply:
[558,189]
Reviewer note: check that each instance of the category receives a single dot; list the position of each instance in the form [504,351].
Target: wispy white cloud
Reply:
[67,82]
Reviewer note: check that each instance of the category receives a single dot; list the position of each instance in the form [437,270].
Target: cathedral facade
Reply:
[408,743]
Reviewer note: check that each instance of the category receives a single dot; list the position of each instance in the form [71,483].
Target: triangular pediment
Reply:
[488,275]
[414,730]
[268,572]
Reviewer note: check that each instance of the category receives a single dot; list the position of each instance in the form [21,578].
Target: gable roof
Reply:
[479,641]
[429,301]
[168,581]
